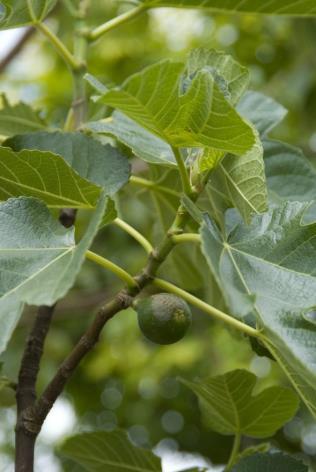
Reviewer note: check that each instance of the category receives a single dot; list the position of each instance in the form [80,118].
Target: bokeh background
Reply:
[126,381]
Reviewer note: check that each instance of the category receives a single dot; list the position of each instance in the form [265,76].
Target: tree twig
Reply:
[17,48]
[121,301]
[25,392]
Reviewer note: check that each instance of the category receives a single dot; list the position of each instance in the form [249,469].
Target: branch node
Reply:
[125,299]
[175,232]
[28,423]
[156,256]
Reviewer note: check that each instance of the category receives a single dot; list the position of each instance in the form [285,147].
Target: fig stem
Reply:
[209,309]
[114,268]
[134,234]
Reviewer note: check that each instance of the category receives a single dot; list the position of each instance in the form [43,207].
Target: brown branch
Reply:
[31,358]
[17,48]
[85,344]
[25,392]
[122,300]
[30,365]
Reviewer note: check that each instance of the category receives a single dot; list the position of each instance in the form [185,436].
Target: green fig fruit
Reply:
[163,318]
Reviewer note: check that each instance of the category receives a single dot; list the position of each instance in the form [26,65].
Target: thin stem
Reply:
[150,184]
[187,238]
[134,233]
[234,452]
[186,185]
[79,105]
[121,273]
[59,46]
[119,20]
[209,309]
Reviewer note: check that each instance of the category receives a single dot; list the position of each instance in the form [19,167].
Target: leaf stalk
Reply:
[114,23]
[134,234]
[114,268]
[234,452]
[69,58]
[186,185]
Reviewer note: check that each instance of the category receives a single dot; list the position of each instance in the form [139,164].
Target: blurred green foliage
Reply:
[127,381]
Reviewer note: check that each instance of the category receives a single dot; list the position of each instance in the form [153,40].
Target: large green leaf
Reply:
[229,406]
[296,374]
[268,270]
[232,80]
[194,115]
[21,12]
[18,119]
[264,112]
[39,258]
[102,164]
[272,7]
[290,175]
[143,144]
[275,462]
[113,452]
[240,182]
[46,176]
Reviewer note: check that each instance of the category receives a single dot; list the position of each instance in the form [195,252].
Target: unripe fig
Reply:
[163,318]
